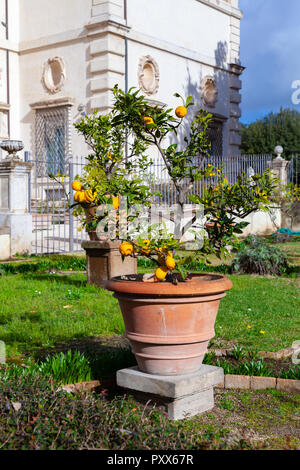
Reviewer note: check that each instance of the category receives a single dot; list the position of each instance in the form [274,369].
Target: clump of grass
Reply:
[72,366]
[293,373]
[254,368]
[238,352]
[62,368]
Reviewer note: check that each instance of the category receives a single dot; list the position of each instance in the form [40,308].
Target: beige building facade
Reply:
[60,59]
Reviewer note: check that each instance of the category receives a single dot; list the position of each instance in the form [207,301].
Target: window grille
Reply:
[51,140]
[216,137]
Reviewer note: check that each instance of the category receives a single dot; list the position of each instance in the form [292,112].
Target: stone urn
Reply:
[169,326]
[12,147]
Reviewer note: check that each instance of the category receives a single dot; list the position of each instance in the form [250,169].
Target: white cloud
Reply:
[270,38]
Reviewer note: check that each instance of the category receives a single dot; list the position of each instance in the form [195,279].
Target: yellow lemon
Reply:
[148,120]
[126,249]
[89,196]
[164,250]
[115,202]
[161,273]
[145,249]
[76,186]
[79,196]
[170,263]
[181,111]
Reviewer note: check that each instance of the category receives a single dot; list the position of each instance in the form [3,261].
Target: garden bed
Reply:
[34,415]
[265,367]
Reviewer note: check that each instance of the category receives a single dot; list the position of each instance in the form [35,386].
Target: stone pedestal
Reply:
[280,169]
[182,396]
[104,261]
[15,218]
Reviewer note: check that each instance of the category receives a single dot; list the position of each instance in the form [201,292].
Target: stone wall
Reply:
[193,48]
[291,217]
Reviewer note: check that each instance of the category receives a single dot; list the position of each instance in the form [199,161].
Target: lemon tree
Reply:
[225,204]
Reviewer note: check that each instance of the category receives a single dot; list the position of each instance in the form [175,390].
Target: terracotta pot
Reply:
[90,213]
[93,235]
[169,326]
[211,224]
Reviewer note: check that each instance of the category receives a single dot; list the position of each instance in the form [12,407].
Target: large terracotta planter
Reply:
[169,326]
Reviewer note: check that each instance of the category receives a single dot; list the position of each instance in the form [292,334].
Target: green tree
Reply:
[263,135]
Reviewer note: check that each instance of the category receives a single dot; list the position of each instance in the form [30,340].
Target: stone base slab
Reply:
[182,396]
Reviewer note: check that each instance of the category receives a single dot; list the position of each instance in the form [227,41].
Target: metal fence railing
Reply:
[294,170]
[55,229]
[158,179]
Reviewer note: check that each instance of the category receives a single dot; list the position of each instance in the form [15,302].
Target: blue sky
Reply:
[270,51]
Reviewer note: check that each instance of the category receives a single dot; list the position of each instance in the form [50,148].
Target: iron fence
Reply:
[159,181]
[294,170]
[57,230]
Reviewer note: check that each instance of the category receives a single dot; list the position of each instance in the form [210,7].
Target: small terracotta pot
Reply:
[93,235]
[90,213]
[169,326]
[211,225]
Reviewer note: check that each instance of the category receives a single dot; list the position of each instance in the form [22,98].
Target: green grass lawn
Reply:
[39,310]
[51,311]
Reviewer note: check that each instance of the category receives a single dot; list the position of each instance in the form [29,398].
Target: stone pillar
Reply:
[280,171]
[104,261]
[280,167]
[106,33]
[15,219]
[235,126]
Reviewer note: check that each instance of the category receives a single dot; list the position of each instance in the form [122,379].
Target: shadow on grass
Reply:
[62,278]
[106,355]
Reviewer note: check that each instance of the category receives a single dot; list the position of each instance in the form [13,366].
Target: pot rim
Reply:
[200,284]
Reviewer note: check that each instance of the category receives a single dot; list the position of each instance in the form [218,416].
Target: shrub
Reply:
[256,256]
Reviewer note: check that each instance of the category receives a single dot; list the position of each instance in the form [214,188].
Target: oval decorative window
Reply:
[54,74]
[148,75]
[209,91]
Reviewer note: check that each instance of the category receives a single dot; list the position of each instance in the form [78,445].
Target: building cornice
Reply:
[4,106]
[172,48]
[7,45]
[224,7]
[51,103]
[99,28]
